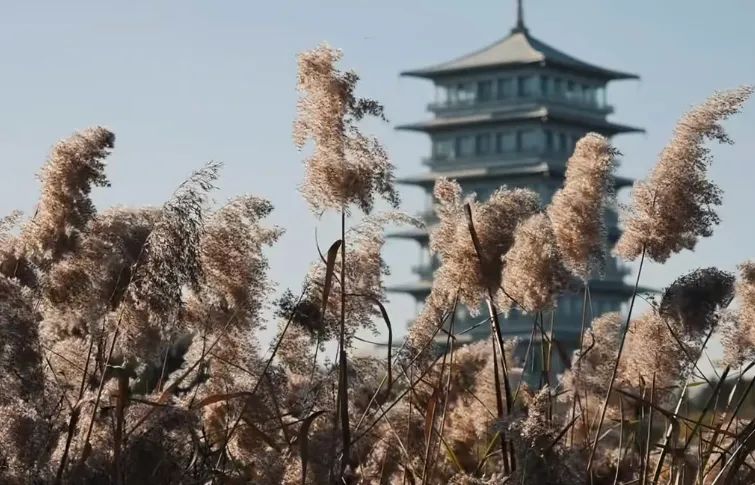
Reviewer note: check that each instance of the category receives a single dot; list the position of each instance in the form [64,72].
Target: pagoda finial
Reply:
[519,18]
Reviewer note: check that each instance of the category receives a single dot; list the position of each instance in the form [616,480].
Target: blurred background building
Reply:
[510,114]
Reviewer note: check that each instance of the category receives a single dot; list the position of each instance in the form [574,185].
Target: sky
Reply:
[185,82]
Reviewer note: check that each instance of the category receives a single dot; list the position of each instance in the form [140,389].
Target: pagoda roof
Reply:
[418,233]
[423,234]
[542,168]
[422,287]
[519,48]
[540,113]
[418,288]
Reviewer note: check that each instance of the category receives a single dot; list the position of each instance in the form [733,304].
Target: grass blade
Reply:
[303,440]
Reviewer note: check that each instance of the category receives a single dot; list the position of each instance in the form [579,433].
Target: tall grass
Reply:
[129,337]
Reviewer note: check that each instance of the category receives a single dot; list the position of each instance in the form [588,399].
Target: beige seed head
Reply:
[577,211]
[675,206]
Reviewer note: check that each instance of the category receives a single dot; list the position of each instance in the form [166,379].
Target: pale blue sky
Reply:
[184,82]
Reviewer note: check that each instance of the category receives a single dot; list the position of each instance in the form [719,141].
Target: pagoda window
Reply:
[482,192]
[526,86]
[529,140]
[548,140]
[544,85]
[562,142]
[484,91]
[505,142]
[444,149]
[464,93]
[505,88]
[451,94]
[563,306]
[558,87]
[574,140]
[600,96]
[571,92]
[465,146]
[482,143]
[588,95]
[441,94]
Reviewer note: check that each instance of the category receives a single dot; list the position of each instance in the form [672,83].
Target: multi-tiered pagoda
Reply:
[510,114]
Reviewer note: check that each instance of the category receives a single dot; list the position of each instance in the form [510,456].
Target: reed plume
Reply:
[462,271]
[133,345]
[86,285]
[76,164]
[675,206]
[745,291]
[577,211]
[694,300]
[20,357]
[235,283]
[363,275]
[346,166]
[170,262]
[738,326]
[533,272]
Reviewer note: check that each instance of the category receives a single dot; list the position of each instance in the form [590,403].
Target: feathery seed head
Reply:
[651,350]
[170,263]
[364,273]
[86,284]
[234,268]
[533,274]
[675,206]
[577,211]
[745,291]
[694,299]
[738,332]
[346,166]
[20,358]
[462,271]
[65,207]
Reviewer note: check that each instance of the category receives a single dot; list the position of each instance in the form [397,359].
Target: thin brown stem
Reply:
[119,418]
[616,364]
[343,383]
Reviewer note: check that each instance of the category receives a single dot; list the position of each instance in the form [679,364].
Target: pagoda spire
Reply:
[519,27]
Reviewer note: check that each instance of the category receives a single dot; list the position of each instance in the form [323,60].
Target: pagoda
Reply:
[510,114]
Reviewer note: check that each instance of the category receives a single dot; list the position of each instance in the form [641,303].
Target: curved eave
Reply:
[421,235]
[440,124]
[444,123]
[418,289]
[416,234]
[428,179]
[434,73]
[617,287]
[602,126]
[595,71]
[619,182]
[623,182]
[516,50]
[614,233]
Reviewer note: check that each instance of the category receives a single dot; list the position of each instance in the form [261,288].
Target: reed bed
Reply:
[129,337]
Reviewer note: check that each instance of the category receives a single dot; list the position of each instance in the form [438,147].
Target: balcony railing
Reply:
[496,158]
[516,101]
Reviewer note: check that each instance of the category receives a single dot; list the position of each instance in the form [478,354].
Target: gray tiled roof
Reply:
[488,172]
[449,122]
[518,48]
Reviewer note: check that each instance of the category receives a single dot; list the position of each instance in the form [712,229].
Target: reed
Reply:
[130,344]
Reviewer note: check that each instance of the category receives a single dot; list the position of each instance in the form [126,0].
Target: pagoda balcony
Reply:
[428,216]
[525,156]
[424,271]
[597,108]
